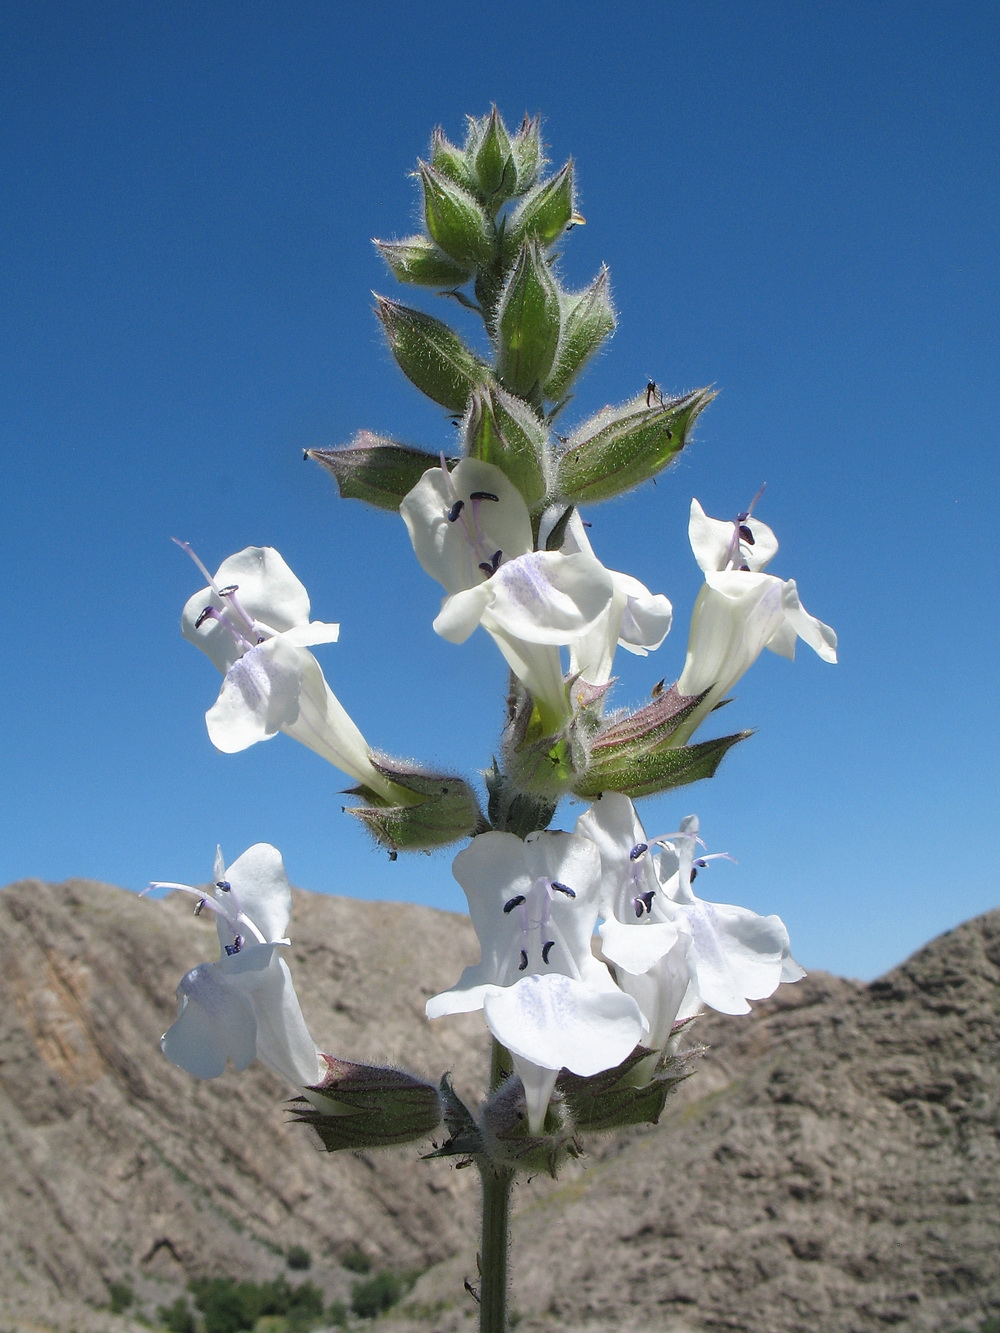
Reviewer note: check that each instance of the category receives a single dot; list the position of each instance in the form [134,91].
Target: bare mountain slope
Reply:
[834,1166]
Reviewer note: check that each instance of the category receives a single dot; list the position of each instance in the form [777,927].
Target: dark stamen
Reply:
[208,611]
[644,902]
[511,903]
[199,905]
[563,888]
[524,961]
[224,885]
[547,949]
[228,592]
[455,510]
[746,534]
[700,864]
[235,947]
[744,569]
[638,850]
[694,873]
[491,566]
[484,495]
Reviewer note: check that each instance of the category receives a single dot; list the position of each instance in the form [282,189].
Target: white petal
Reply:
[325,726]
[734,954]
[261,888]
[645,621]
[461,613]
[266,589]
[283,1040]
[547,597]
[636,947]
[451,551]
[538,667]
[466,996]
[711,539]
[716,547]
[538,1085]
[734,616]
[559,1023]
[492,870]
[215,1023]
[821,638]
[316,631]
[791,970]
[259,696]
[661,992]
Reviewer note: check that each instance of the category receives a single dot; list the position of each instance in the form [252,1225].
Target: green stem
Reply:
[495,1247]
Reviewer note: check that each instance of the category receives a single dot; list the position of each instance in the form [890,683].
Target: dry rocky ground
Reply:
[832,1167]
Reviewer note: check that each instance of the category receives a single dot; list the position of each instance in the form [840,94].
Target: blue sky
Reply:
[797,204]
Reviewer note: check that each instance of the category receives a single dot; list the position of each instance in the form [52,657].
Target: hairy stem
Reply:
[494,1249]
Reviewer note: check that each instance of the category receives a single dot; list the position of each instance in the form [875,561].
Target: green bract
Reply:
[418,260]
[495,169]
[364,1106]
[373,469]
[527,324]
[456,220]
[431,355]
[502,429]
[441,808]
[544,213]
[586,320]
[622,447]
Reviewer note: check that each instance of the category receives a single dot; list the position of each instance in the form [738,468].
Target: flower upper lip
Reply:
[243,1005]
[253,622]
[471,531]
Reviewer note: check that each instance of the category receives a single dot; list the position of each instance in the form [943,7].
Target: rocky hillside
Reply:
[833,1167]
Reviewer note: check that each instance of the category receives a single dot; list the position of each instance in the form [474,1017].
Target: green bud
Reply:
[494,165]
[431,355]
[543,756]
[418,260]
[542,215]
[587,319]
[456,220]
[450,161]
[374,469]
[513,811]
[364,1106]
[526,148]
[441,810]
[507,1142]
[624,1095]
[528,323]
[622,447]
[503,430]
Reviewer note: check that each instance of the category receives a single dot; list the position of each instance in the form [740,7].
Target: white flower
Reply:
[672,951]
[636,619]
[544,995]
[740,611]
[632,937]
[244,1005]
[732,954]
[471,531]
[253,622]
